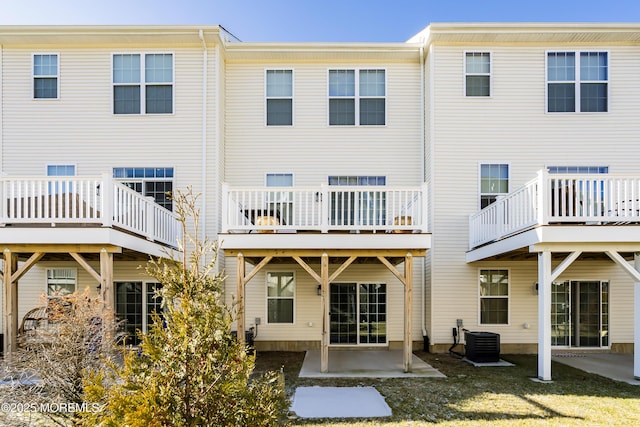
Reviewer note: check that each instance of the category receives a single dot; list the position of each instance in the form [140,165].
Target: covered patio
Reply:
[557,219]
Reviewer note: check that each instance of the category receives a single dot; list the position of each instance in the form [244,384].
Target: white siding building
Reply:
[324,171]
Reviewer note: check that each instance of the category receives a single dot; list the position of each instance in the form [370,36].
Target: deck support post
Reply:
[408,312]
[106,280]
[10,304]
[324,285]
[636,320]
[241,282]
[544,315]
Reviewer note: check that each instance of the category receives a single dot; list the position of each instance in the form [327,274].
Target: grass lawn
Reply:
[480,396]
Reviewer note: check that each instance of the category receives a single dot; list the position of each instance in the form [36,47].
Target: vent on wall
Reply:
[482,347]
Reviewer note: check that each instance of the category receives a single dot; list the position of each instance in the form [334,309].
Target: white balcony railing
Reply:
[559,198]
[324,208]
[85,200]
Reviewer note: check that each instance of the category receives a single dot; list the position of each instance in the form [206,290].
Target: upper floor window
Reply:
[279,94]
[151,182]
[60,186]
[357,97]
[494,181]
[577,82]
[143,84]
[45,76]
[477,70]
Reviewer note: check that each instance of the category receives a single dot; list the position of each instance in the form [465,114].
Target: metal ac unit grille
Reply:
[482,347]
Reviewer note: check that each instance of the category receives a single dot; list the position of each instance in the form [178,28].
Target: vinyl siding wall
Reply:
[80,128]
[512,127]
[312,150]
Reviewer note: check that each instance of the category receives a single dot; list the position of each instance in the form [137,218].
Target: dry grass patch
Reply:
[481,396]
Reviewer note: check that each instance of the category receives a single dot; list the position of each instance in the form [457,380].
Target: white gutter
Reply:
[422,151]
[203,153]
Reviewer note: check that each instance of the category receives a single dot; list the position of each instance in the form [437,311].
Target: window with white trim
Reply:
[45,76]
[477,69]
[281,201]
[150,182]
[143,83]
[279,95]
[357,97]
[577,82]
[494,297]
[61,281]
[494,181]
[280,297]
[58,186]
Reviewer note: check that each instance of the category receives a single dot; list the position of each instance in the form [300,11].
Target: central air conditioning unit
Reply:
[482,347]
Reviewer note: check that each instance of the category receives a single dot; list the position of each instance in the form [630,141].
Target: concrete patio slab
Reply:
[617,366]
[366,364]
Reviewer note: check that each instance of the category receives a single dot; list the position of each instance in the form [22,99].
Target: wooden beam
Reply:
[324,284]
[256,269]
[333,253]
[84,264]
[342,268]
[33,259]
[308,269]
[240,271]
[63,248]
[395,271]
[10,305]
[106,280]
[408,312]
[631,271]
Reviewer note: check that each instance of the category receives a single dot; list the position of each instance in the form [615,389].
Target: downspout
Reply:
[424,175]
[432,164]
[203,153]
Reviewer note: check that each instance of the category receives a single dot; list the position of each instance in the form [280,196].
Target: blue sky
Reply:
[314,20]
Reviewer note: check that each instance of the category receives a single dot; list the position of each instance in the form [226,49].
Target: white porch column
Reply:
[544,315]
[636,320]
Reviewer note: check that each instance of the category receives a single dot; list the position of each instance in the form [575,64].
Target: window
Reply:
[279,92]
[366,207]
[60,186]
[577,82]
[45,76]
[477,68]
[61,281]
[143,84]
[151,182]
[494,297]
[494,181]
[130,308]
[280,297]
[281,201]
[357,97]
[578,169]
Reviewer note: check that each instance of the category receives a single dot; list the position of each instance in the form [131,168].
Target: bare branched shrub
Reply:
[44,377]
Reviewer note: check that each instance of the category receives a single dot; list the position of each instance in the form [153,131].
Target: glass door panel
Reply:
[560,314]
[373,314]
[343,326]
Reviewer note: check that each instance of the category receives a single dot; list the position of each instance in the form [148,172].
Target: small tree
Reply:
[190,370]
[75,339]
